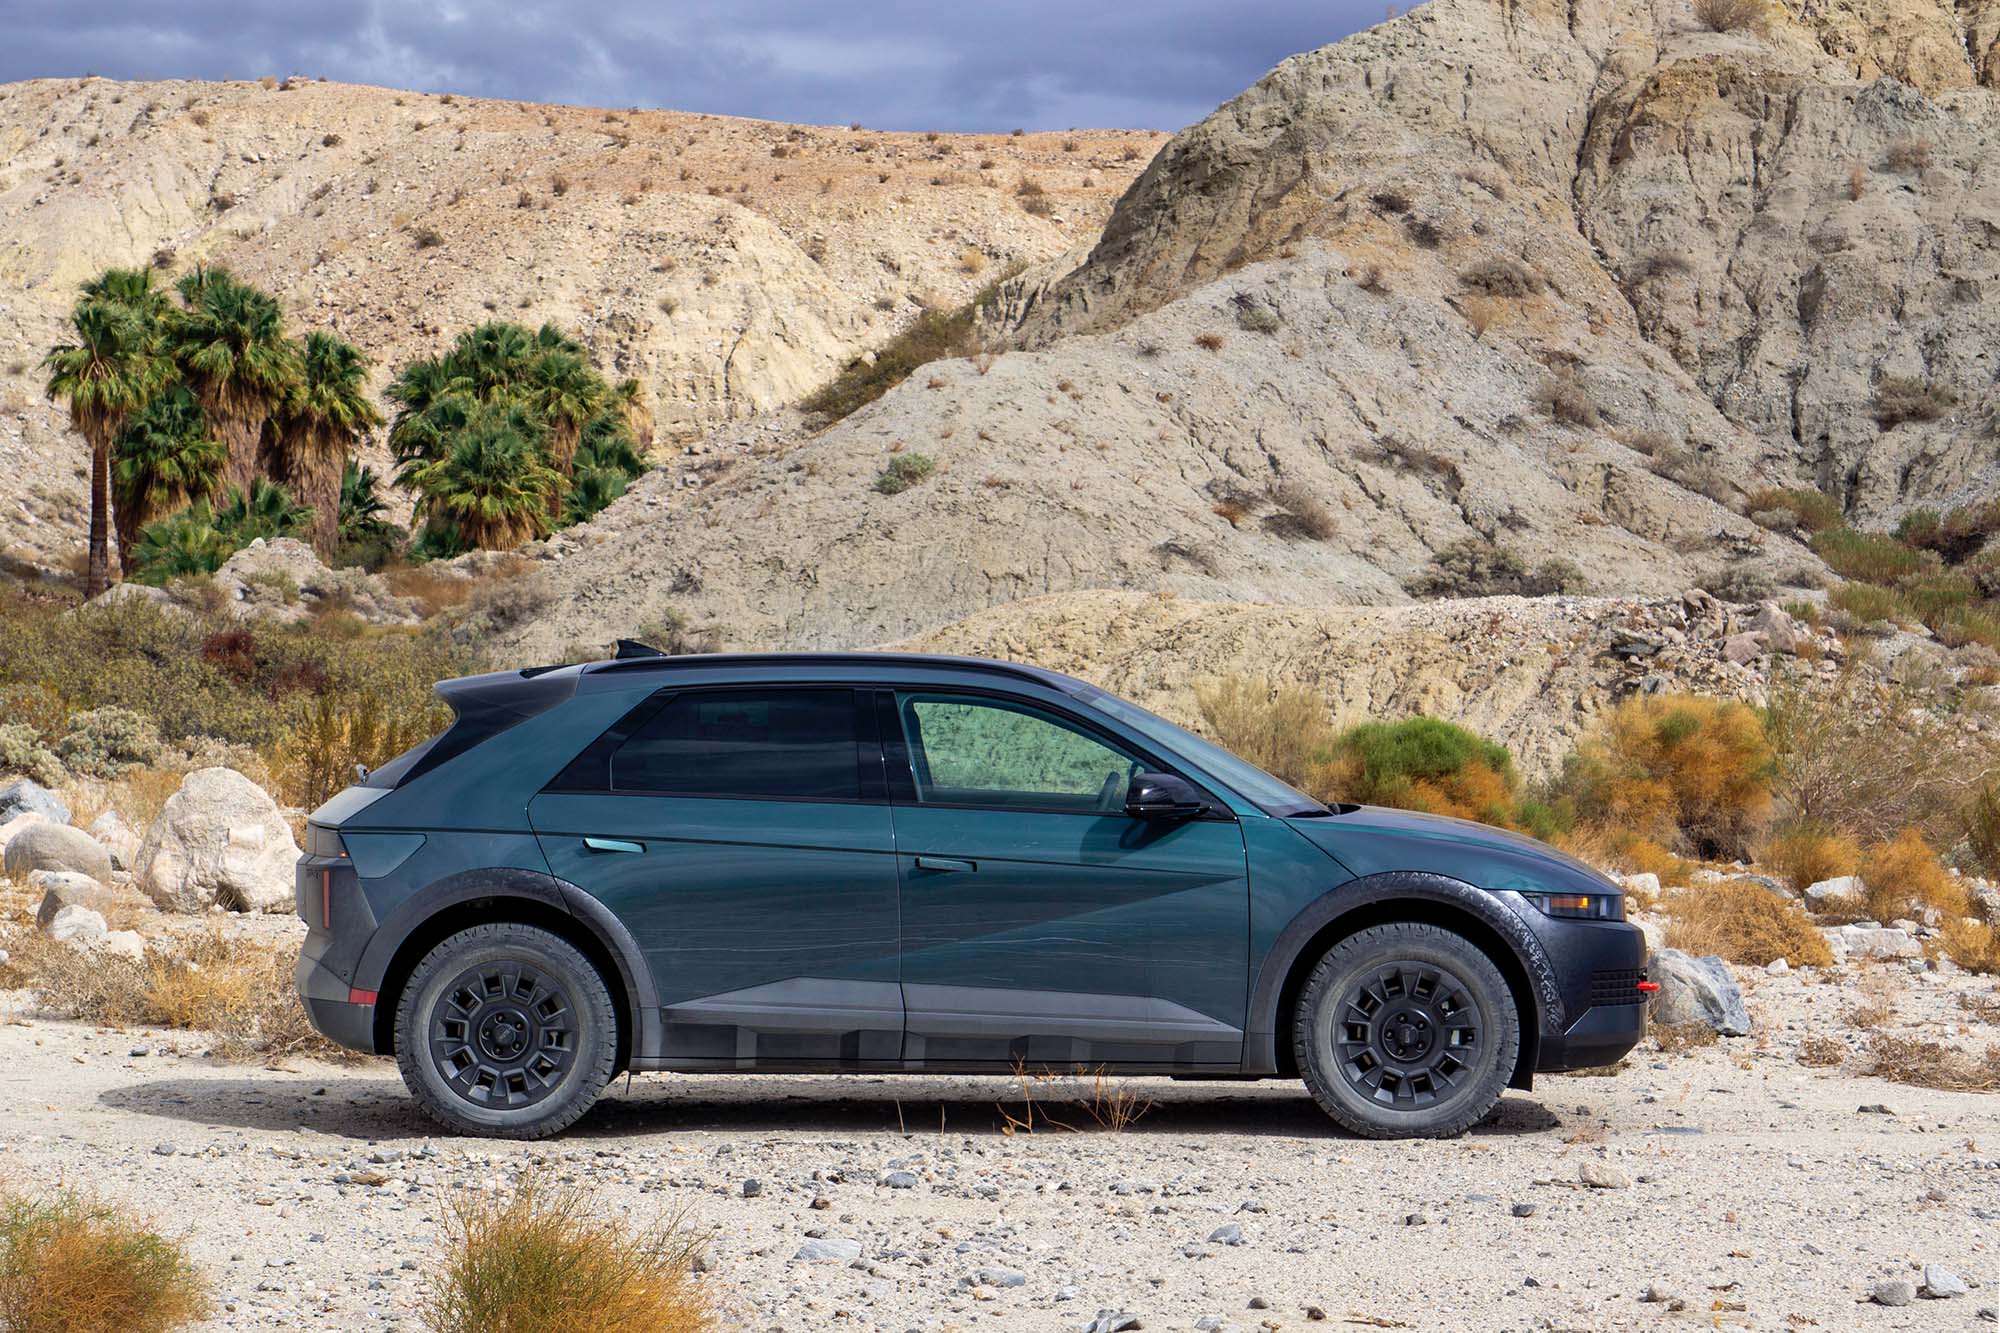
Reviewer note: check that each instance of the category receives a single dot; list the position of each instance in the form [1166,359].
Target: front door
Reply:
[744,838]
[1041,923]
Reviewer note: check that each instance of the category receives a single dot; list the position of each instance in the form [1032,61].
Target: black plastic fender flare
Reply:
[508,882]
[1267,990]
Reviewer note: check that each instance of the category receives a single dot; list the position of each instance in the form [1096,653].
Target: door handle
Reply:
[612,845]
[946,863]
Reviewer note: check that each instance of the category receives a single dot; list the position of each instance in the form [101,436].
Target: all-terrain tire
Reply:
[1406,1030]
[506,1030]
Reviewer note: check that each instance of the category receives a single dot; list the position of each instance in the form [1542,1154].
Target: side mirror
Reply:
[1162,796]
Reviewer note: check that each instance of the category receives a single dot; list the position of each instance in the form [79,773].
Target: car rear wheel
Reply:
[506,1030]
[1406,1030]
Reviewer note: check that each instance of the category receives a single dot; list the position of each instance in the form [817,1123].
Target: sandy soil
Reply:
[1759,1195]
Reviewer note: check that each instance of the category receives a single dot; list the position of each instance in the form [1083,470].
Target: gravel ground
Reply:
[1742,1185]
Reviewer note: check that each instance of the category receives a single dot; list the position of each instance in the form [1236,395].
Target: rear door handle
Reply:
[613,845]
[946,863]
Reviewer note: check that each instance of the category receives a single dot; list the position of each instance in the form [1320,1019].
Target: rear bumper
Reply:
[331,1008]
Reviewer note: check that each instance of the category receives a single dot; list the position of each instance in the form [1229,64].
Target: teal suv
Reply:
[871,862]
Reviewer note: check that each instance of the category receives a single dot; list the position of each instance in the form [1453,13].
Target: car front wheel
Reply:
[1406,1030]
[506,1030]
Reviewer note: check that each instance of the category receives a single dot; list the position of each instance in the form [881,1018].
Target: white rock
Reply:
[1645,882]
[117,837]
[78,927]
[1820,892]
[1777,967]
[45,845]
[1697,990]
[220,840]
[65,888]
[1877,942]
[124,944]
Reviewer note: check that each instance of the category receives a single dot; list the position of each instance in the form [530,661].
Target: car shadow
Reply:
[379,1108]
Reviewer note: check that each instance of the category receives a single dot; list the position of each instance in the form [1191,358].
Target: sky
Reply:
[888,64]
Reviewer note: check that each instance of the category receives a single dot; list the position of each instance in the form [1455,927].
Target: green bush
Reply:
[1795,507]
[1866,602]
[904,471]
[104,742]
[1872,557]
[935,335]
[22,753]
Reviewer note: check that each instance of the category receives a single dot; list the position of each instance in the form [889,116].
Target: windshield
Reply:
[1266,792]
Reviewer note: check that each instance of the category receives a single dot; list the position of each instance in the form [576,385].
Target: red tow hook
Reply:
[1649,986]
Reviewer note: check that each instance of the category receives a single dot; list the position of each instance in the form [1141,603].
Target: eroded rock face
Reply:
[219,840]
[282,579]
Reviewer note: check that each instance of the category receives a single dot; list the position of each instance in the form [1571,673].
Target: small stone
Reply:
[821,1203]
[1777,967]
[140,1052]
[752,1188]
[1603,1176]
[1895,1292]
[1227,1234]
[1415,1220]
[1875,1108]
[1112,1321]
[827,1250]
[1525,1209]
[1259,1303]
[1315,1315]
[1941,1284]
[1000,1277]
[900,1180]
[1655,1294]
[164,1150]
[1208,1323]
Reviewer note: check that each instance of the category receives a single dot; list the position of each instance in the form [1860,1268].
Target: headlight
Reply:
[1580,906]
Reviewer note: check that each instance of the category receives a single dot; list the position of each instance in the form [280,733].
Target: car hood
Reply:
[1371,840]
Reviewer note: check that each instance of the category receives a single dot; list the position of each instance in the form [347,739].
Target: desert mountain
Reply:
[1571,280]
[731,265]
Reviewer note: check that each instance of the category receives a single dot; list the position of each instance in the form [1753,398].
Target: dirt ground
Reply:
[1760,1194]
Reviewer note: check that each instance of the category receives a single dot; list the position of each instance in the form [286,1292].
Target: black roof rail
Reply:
[653,660]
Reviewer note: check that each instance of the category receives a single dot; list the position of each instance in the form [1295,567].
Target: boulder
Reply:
[1822,893]
[219,840]
[78,927]
[123,944]
[1643,882]
[46,845]
[281,579]
[1697,990]
[23,797]
[1743,649]
[66,888]
[117,837]
[1778,628]
[1875,942]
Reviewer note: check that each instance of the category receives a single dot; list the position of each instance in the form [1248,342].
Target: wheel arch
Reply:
[474,897]
[1374,900]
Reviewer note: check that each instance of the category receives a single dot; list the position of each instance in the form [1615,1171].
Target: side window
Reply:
[972,751]
[781,744]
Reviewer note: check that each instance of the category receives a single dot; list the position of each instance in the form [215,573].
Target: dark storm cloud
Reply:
[897,65]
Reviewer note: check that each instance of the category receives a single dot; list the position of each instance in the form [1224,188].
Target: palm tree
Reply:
[326,415]
[103,376]
[229,342]
[267,511]
[362,513]
[606,462]
[164,458]
[564,392]
[491,487]
[638,413]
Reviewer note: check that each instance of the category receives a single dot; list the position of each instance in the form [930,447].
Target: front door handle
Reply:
[946,863]
[613,845]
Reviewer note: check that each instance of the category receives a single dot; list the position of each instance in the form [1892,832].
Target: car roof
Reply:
[750,664]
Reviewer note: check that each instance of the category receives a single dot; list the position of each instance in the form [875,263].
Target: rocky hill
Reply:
[731,265]
[1567,279]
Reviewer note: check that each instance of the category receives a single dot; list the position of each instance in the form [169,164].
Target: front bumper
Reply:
[1599,968]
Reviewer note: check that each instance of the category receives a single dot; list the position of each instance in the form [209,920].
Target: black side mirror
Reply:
[1162,796]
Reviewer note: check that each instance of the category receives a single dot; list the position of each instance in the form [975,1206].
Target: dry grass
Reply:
[434,590]
[1208,342]
[1679,1038]
[1802,857]
[1744,923]
[1627,853]
[1973,945]
[538,1260]
[1300,515]
[1731,15]
[1284,730]
[1931,1064]
[1822,1052]
[1113,1106]
[241,994]
[69,1264]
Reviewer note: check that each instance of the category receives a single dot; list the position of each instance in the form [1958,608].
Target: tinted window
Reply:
[791,744]
[968,751]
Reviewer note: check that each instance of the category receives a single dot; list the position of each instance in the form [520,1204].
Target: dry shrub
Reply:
[1796,507]
[1803,856]
[1112,1105]
[1973,945]
[1930,1064]
[1501,277]
[1902,398]
[1822,1052]
[1679,1038]
[1904,877]
[1688,772]
[538,1260]
[319,754]
[1626,852]
[1209,342]
[69,1264]
[240,993]
[1731,15]
[1744,923]
[1300,516]
[1566,399]
[1284,730]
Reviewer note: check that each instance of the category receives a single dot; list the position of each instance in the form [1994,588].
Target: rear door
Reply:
[1041,923]
[744,837]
